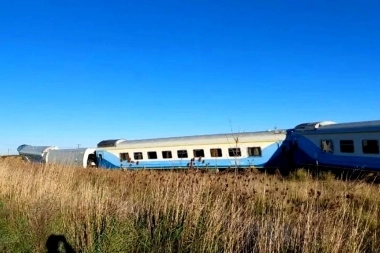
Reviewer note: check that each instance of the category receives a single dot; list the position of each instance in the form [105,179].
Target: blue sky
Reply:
[78,72]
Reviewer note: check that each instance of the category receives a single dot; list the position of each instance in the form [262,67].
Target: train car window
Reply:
[182,153]
[327,146]
[138,155]
[166,154]
[199,153]
[216,152]
[124,157]
[152,155]
[370,146]
[347,146]
[234,152]
[254,151]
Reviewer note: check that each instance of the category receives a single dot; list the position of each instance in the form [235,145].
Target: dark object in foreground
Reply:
[54,241]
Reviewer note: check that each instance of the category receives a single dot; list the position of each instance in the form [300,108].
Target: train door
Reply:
[91,160]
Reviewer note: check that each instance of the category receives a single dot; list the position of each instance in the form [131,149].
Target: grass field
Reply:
[150,211]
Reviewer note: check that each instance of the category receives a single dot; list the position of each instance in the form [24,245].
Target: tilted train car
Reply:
[352,145]
[83,157]
[34,153]
[252,149]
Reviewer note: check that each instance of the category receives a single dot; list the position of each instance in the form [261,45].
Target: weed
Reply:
[157,211]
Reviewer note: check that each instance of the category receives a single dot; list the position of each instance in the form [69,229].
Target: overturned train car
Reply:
[34,153]
[83,157]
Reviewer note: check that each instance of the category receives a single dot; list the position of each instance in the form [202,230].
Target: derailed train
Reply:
[218,150]
[352,145]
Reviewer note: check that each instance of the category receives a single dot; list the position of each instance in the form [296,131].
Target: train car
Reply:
[35,154]
[252,149]
[84,157]
[353,145]
[81,157]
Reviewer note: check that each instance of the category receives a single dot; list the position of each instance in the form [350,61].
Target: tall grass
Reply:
[189,211]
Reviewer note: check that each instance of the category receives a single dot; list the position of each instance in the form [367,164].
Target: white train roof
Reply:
[110,143]
[197,139]
[332,127]
[313,125]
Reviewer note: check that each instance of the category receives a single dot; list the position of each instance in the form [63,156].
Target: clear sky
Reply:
[78,72]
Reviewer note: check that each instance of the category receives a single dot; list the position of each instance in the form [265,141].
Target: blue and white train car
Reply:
[252,149]
[352,145]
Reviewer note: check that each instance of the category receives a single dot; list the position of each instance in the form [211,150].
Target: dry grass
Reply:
[152,211]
